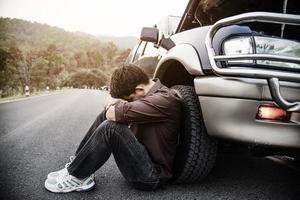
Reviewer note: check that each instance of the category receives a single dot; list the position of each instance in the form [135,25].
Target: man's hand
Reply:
[110,108]
[110,113]
[111,101]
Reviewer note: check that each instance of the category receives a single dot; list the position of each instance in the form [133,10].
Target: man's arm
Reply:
[110,108]
[154,108]
[110,113]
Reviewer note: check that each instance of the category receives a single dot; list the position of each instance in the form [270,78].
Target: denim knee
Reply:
[112,129]
[111,125]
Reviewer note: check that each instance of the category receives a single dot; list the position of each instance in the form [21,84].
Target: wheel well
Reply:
[174,73]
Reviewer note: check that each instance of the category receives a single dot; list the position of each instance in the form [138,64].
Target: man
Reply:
[139,126]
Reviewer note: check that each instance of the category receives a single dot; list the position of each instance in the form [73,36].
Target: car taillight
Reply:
[272,112]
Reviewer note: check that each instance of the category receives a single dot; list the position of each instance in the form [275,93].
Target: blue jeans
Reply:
[105,137]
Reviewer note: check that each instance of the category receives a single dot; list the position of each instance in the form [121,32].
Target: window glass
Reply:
[150,50]
[173,22]
[140,50]
[168,25]
[131,54]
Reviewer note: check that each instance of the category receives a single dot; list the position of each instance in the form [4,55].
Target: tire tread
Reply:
[199,152]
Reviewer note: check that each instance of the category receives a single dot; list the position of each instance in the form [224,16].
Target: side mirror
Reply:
[166,43]
[149,34]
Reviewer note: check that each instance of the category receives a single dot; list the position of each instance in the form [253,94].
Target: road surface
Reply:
[37,135]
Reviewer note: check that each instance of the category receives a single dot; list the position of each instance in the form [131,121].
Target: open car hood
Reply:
[206,12]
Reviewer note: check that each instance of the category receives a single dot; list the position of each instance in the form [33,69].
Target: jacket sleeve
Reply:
[151,109]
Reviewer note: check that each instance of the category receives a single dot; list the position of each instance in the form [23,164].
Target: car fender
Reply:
[186,54]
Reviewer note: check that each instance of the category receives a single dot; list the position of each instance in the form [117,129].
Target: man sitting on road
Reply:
[139,126]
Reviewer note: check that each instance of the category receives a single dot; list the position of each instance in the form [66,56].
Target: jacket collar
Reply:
[155,87]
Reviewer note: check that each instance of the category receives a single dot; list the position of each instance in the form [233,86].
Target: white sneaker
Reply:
[53,175]
[68,183]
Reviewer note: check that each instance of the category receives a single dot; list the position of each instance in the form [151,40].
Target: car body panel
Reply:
[229,107]
[234,119]
[243,88]
[186,55]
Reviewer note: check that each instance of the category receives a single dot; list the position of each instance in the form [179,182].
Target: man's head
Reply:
[128,82]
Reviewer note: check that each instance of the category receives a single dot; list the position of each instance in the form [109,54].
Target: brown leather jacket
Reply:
[155,121]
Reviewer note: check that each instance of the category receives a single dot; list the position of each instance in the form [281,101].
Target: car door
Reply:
[148,54]
[138,57]
[147,58]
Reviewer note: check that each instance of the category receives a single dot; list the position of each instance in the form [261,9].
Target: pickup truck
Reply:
[236,66]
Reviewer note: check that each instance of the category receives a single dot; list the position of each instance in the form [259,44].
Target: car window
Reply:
[173,22]
[150,49]
[168,25]
[131,54]
[140,50]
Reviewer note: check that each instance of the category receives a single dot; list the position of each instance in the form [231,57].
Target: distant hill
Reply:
[40,55]
[121,42]
[27,36]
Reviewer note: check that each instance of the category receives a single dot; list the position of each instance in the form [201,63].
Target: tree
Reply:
[87,77]
[110,52]
[122,56]
[95,58]
[6,72]
[54,64]
[39,55]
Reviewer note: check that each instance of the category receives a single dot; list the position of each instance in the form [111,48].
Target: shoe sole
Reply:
[79,189]
[51,177]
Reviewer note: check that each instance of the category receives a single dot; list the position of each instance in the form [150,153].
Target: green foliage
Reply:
[39,55]
[87,77]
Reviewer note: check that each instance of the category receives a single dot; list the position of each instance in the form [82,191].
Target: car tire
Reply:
[196,151]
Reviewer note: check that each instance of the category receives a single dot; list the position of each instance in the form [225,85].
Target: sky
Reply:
[97,17]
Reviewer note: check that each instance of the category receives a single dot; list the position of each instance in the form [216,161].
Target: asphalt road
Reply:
[37,135]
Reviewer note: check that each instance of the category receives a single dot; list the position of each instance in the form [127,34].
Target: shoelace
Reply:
[71,160]
[67,182]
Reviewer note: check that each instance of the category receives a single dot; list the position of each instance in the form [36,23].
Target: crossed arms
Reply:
[150,109]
